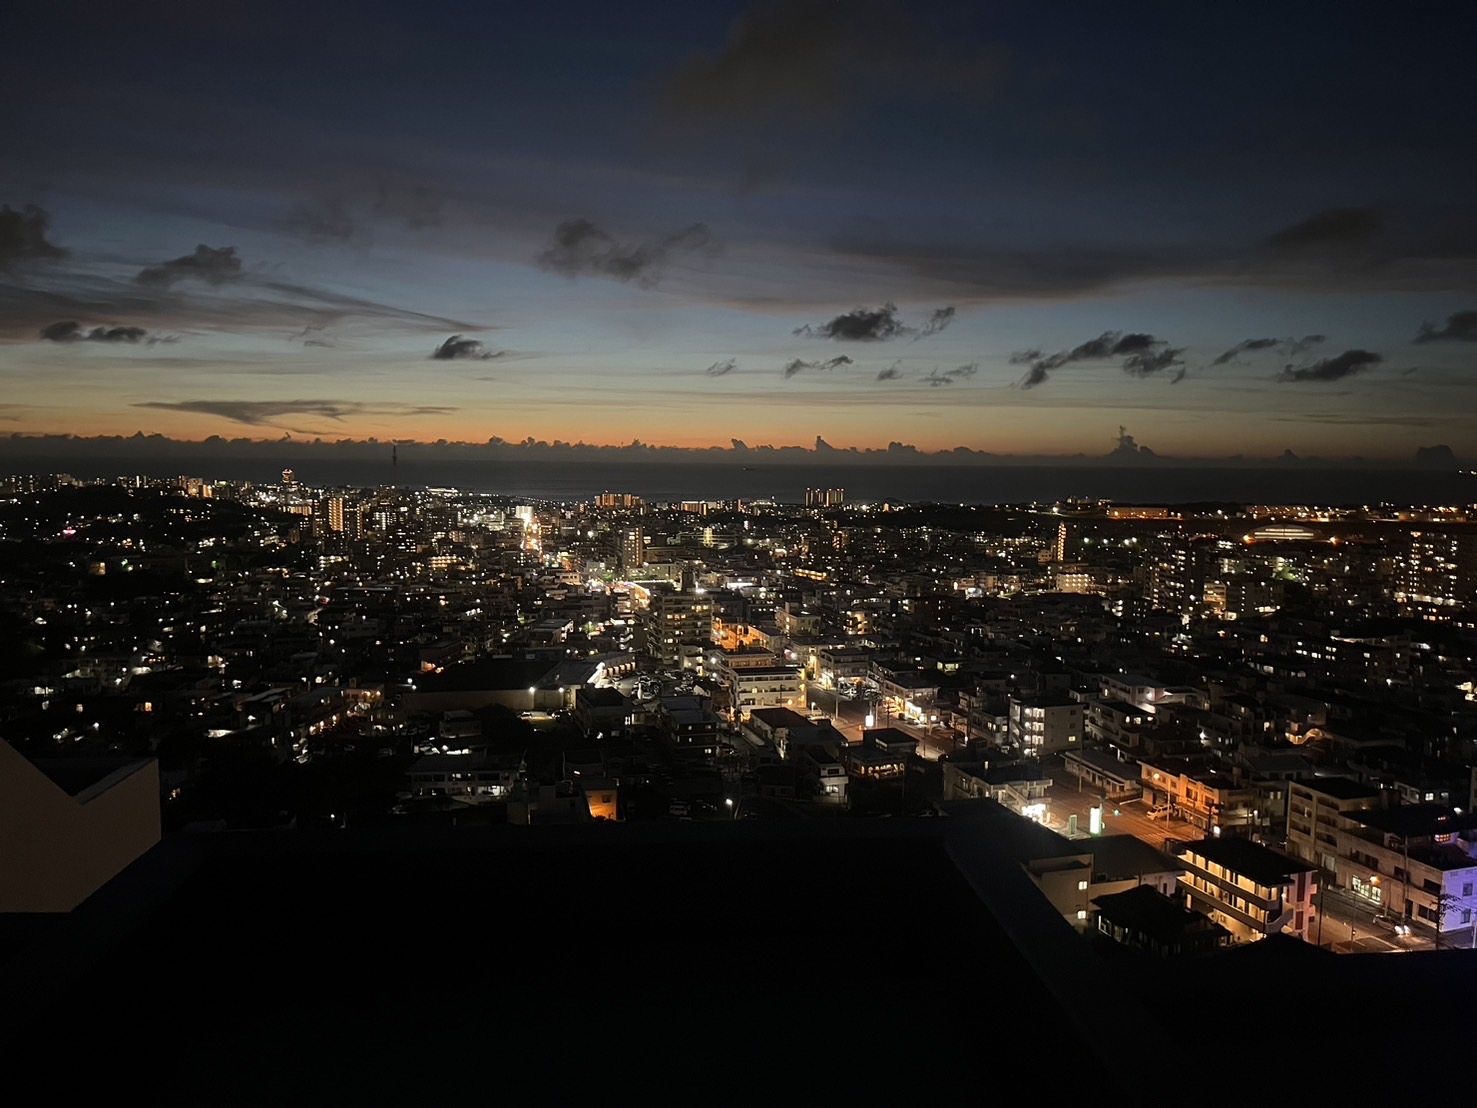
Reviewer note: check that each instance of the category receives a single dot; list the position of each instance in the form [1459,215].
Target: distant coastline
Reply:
[1164,482]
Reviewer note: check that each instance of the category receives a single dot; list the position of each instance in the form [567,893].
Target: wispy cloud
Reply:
[935,323]
[1336,227]
[581,248]
[805,61]
[800,365]
[1141,355]
[1291,347]
[348,215]
[267,413]
[950,376]
[723,368]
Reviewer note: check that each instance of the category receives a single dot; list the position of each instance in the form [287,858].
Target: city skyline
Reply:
[777,224]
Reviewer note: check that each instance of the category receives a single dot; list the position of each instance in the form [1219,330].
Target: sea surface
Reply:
[1157,483]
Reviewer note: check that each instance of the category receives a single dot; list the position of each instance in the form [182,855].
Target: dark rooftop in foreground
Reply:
[363,966]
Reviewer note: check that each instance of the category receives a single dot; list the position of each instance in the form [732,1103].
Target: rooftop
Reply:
[1260,863]
[1339,788]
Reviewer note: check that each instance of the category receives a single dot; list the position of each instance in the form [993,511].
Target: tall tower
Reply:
[1061,542]
[633,548]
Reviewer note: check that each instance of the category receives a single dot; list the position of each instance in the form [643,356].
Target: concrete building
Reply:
[1042,725]
[1251,890]
[1318,809]
[1019,787]
[1416,862]
[1441,569]
[675,618]
[463,778]
[1143,918]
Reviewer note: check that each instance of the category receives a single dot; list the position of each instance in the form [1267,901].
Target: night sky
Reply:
[1235,229]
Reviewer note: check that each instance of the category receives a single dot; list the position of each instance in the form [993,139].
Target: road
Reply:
[850,717]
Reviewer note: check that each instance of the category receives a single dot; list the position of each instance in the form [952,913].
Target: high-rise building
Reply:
[1441,568]
[617,500]
[632,548]
[677,617]
[825,498]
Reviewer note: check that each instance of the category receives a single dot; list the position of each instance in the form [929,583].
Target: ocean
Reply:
[1161,482]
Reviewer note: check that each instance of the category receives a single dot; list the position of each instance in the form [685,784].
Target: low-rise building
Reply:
[1019,787]
[478,778]
[1416,862]
[1145,919]
[1318,809]
[1249,889]
[1047,724]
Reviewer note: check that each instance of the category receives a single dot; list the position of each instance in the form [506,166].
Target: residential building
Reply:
[1020,787]
[1249,889]
[478,778]
[1318,809]
[1145,919]
[675,618]
[1416,862]
[1041,725]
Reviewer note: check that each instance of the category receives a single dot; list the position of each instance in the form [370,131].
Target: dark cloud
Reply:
[212,265]
[23,236]
[584,249]
[935,323]
[719,369]
[323,219]
[1460,327]
[1143,356]
[1281,346]
[802,61]
[69,330]
[1336,368]
[1126,446]
[1342,249]
[1147,363]
[949,376]
[265,413]
[800,365]
[891,373]
[859,325]
[1440,456]
[413,205]
[458,347]
[1336,227]
[345,215]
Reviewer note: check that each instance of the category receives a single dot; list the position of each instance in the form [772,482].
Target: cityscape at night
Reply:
[627,550]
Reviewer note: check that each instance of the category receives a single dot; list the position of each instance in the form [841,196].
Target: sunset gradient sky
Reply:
[1234,229]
